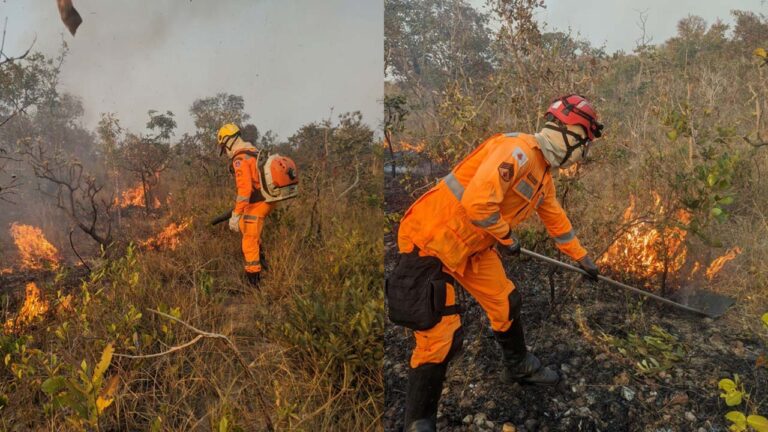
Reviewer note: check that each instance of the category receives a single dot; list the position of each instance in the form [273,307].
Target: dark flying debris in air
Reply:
[69,15]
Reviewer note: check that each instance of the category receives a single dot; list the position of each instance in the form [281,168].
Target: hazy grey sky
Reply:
[292,60]
[614,22]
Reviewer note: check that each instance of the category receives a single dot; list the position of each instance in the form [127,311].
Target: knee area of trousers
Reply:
[457,344]
[515,304]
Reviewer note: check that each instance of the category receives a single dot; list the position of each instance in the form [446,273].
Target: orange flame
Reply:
[134,197]
[34,249]
[718,263]
[417,148]
[696,268]
[570,171]
[33,307]
[168,238]
[642,249]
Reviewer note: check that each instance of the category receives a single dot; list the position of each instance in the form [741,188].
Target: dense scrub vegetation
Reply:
[142,320]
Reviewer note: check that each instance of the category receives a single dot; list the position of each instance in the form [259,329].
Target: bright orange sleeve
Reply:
[243,183]
[558,226]
[484,193]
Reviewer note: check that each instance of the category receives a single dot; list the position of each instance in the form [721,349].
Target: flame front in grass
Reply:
[134,197]
[645,251]
[33,307]
[168,238]
[34,250]
[718,263]
[416,148]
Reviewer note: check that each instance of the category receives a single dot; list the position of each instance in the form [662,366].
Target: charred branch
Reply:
[77,193]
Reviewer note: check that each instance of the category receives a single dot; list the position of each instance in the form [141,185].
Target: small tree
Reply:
[147,156]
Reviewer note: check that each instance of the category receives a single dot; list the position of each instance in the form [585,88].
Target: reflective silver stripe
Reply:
[512,134]
[525,189]
[490,220]
[252,263]
[250,217]
[241,198]
[565,238]
[454,186]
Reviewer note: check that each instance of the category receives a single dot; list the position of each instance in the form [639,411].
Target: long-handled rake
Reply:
[700,302]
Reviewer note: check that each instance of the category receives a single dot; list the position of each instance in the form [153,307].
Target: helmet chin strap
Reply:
[231,141]
[569,149]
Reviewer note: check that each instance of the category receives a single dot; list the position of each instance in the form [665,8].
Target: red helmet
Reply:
[575,110]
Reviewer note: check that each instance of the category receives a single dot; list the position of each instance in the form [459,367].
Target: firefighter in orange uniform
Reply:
[255,200]
[449,235]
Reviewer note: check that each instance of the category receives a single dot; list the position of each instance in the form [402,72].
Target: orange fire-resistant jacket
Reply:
[248,184]
[493,189]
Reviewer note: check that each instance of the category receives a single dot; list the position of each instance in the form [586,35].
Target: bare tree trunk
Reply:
[388,137]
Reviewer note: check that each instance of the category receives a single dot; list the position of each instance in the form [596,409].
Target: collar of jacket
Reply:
[239,146]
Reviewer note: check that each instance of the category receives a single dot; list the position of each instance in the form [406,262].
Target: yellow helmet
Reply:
[226,131]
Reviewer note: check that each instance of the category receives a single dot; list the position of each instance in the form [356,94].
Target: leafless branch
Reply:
[357,180]
[200,335]
[756,144]
[13,59]
[77,193]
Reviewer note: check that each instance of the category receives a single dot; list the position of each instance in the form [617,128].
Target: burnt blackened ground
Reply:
[601,389]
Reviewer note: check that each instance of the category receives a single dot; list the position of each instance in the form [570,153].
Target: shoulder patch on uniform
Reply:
[237,163]
[506,171]
[520,156]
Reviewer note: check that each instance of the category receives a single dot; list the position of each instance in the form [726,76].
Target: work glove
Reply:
[234,222]
[512,249]
[589,266]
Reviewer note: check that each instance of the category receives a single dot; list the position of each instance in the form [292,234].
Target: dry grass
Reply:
[309,352]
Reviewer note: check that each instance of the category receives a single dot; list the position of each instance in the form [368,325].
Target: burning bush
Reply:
[135,197]
[34,306]
[646,250]
[650,248]
[34,250]
[168,238]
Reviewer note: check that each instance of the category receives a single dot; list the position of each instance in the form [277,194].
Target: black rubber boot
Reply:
[520,365]
[253,278]
[528,370]
[425,383]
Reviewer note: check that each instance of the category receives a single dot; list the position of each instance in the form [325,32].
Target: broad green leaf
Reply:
[672,135]
[156,425]
[738,419]
[711,179]
[716,211]
[53,385]
[732,398]
[223,424]
[764,318]
[758,423]
[726,384]
[727,200]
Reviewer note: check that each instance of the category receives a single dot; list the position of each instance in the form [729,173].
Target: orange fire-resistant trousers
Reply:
[251,225]
[485,280]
